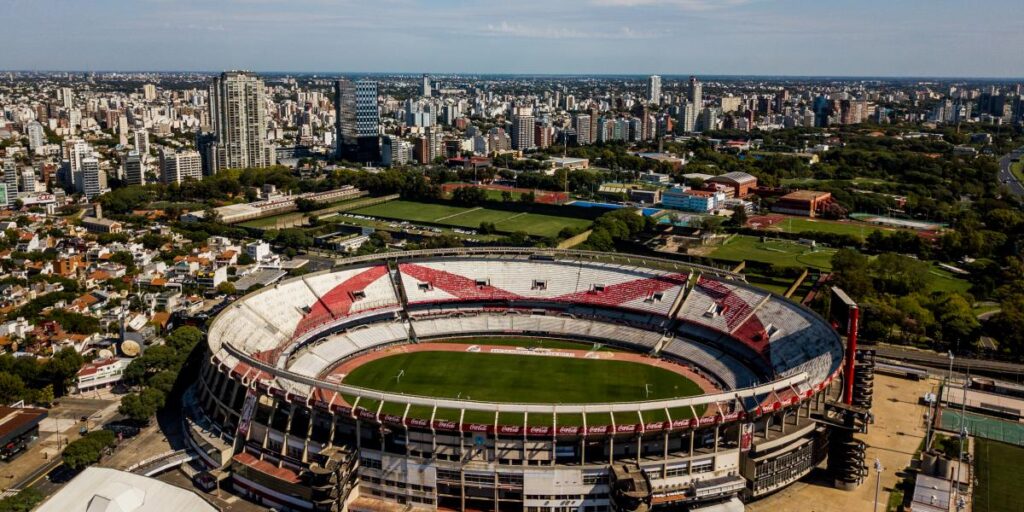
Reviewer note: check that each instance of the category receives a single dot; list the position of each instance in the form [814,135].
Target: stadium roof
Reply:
[735,177]
[109,490]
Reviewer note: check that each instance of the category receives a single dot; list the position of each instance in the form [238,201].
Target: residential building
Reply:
[654,89]
[100,374]
[582,123]
[179,166]
[238,118]
[425,87]
[523,129]
[93,181]
[36,136]
[134,172]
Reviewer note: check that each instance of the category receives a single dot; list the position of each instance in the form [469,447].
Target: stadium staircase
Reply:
[665,340]
[395,274]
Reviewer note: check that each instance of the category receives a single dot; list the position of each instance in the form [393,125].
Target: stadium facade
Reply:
[271,415]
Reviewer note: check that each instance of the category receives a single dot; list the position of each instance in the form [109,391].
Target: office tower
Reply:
[134,173]
[36,136]
[92,180]
[179,166]
[149,92]
[142,142]
[425,87]
[654,89]
[581,123]
[238,118]
[356,120]
[67,97]
[695,94]
[523,129]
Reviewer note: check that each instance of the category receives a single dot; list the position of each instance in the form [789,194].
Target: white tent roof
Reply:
[110,490]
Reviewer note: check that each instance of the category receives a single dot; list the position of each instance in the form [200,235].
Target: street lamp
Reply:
[878,481]
[950,378]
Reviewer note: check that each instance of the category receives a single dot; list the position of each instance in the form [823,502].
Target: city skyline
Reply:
[666,37]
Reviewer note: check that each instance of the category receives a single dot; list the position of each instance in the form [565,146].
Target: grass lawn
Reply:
[804,225]
[505,221]
[998,470]
[1017,168]
[516,378]
[775,252]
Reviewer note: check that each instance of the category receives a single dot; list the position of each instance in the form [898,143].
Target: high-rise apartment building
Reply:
[149,92]
[581,123]
[695,94]
[238,118]
[10,169]
[134,172]
[425,87]
[92,179]
[142,142]
[36,135]
[523,129]
[179,166]
[67,97]
[688,113]
[654,89]
[357,120]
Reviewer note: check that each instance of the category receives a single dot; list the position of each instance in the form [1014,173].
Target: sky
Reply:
[947,38]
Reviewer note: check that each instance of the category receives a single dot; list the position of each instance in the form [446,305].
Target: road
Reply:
[941,361]
[1007,177]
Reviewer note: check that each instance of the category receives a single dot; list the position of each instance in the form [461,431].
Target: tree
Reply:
[62,369]
[184,338]
[487,228]
[850,272]
[306,205]
[739,217]
[137,408]
[24,501]
[12,388]
[469,196]
[226,288]
[88,449]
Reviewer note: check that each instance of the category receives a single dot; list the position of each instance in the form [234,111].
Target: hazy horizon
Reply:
[756,38]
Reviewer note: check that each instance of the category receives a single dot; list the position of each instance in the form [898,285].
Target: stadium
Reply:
[513,379]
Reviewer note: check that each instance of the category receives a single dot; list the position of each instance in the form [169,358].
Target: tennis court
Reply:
[986,427]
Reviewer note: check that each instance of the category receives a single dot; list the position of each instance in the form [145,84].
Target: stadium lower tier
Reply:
[297,456]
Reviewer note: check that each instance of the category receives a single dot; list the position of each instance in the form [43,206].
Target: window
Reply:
[424,287]
[598,288]
[482,282]
[358,295]
[539,285]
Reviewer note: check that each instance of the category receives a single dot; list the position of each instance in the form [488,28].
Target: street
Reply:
[1007,177]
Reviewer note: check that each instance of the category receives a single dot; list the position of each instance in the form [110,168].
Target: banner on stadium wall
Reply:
[248,410]
[746,437]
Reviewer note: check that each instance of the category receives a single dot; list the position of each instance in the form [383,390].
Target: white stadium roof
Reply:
[110,490]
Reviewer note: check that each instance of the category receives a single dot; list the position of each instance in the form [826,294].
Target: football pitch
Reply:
[998,468]
[467,217]
[492,377]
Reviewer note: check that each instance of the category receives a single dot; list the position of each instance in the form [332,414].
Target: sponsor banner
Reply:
[569,431]
[392,419]
[364,414]
[626,429]
[708,420]
[445,425]
[746,437]
[733,416]
[248,410]
[598,429]
[510,429]
[657,425]
[477,427]
[538,431]
[417,423]
[680,424]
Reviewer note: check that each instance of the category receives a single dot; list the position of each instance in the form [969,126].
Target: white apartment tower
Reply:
[134,172]
[179,166]
[523,128]
[654,89]
[238,117]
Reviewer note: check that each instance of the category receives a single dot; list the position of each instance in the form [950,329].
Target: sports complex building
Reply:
[513,379]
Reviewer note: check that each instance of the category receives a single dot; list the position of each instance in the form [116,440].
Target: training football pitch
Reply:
[466,217]
[998,468]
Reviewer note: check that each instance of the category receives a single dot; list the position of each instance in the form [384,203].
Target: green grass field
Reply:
[1017,168]
[458,216]
[515,378]
[998,467]
[774,252]
[804,225]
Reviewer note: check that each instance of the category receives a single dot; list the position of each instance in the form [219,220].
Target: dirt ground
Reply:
[897,432]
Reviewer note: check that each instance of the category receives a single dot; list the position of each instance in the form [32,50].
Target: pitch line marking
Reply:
[446,217]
